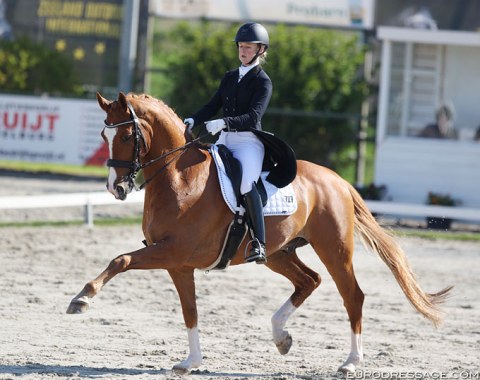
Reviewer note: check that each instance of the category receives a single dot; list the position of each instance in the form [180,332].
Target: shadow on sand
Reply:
[104,372]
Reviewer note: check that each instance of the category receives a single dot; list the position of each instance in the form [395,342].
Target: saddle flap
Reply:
[233,168]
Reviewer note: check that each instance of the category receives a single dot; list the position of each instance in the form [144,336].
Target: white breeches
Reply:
[249,150]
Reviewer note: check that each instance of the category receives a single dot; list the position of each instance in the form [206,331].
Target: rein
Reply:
[135,165]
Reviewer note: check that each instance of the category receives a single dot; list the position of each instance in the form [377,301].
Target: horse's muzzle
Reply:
[121,190]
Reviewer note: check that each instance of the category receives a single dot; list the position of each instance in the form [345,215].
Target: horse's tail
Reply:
[384,244]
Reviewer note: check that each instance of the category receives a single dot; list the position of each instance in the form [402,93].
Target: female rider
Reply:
[243,94]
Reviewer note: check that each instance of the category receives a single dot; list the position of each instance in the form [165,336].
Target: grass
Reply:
[135,220]
[62,169]
[435,235]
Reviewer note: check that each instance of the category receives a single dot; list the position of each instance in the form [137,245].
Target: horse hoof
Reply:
[77,307]
[347,368]
[351,364]
[285,345]
[179,370]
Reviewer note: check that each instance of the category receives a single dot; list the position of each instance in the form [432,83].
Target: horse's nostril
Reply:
[120,191]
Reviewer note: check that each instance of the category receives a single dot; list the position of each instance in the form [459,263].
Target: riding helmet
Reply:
[252,32]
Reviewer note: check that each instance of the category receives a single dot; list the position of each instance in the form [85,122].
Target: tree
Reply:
[315,73]
[29,67]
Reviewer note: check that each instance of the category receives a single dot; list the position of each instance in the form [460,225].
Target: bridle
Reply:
[135,165]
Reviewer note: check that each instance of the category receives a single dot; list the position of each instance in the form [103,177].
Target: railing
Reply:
[410,209]
[88,200]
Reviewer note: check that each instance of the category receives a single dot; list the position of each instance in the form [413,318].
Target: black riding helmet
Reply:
[253,32]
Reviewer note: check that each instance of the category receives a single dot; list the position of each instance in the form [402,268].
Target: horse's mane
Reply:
[151,101]
[151,105]
[154,105]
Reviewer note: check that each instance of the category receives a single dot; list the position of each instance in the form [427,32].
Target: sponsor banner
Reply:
[51,130]
[357,14]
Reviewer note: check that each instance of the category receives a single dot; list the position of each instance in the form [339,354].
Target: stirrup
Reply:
[257,253]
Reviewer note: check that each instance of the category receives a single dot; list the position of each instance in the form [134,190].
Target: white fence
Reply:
[88,200]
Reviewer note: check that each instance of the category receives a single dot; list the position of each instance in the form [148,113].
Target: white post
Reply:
[89,213]
[128,44]
[384,91]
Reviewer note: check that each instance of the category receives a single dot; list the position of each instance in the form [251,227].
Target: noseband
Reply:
[135,165]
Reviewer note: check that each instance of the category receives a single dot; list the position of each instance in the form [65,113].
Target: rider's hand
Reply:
[215,126]
[189,122]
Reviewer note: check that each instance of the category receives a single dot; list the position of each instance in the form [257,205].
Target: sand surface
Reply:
[134,328]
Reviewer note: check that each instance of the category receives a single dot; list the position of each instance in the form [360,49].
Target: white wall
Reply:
[411,167]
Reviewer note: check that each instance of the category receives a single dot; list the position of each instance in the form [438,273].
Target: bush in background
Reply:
[32,68]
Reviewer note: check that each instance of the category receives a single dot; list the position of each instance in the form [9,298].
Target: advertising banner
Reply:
[356,14]
[51,130]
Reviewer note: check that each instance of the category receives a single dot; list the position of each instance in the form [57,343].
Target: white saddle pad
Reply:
[280,201]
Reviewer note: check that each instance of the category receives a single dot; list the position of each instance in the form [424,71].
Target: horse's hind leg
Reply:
[337,255]
[305,282]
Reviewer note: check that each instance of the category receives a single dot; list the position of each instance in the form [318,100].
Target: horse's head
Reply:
[124,136]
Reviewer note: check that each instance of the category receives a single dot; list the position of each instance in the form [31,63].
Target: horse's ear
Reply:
[102,102]
[122,99]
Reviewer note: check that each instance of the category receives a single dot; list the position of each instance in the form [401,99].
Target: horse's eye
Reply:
[125,138]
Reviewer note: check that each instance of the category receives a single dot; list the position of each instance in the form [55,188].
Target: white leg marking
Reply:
[112,175]
[281,337]
[194,359]
[356,354]
[279,320]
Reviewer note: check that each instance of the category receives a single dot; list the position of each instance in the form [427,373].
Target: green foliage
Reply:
[315,75]
[30,67]
[442,199]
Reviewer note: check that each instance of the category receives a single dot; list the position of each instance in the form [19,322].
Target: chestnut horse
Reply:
[185,220]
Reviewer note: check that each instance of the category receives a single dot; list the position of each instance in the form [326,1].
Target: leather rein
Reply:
[135,165]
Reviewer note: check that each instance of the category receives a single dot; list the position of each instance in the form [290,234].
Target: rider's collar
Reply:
[243,70]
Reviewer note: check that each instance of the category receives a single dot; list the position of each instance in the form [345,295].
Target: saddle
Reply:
[276,201]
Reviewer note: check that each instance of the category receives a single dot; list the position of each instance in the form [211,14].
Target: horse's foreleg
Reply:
[151,257]
[305,281]
[81,301]
[185,283]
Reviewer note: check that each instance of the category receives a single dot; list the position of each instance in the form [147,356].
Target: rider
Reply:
[243,94]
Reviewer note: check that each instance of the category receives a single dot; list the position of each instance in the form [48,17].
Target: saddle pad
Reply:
[280,201]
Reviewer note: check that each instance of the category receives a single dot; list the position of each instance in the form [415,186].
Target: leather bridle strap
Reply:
[135,165]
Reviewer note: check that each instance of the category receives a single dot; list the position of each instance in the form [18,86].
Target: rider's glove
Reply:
[215,126]
[189,122]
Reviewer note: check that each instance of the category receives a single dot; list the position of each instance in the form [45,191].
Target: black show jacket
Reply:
[243,103]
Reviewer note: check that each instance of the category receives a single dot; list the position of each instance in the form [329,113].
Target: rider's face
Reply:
[247,50]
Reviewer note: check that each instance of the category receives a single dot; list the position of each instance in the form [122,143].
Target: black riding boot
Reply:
[254,207]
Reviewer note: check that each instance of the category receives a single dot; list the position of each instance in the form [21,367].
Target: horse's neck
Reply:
[179,177]
[172,173]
